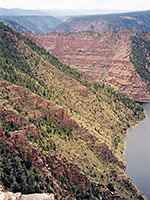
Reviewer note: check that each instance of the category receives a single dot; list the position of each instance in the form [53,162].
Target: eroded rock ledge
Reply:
[19,196]
[104,58]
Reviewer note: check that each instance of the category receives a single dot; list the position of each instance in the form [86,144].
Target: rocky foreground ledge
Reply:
[19,196]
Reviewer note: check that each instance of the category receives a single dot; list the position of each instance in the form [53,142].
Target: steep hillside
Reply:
[107,23]
[31,24]
[59,133]
[118,60]
[18,27]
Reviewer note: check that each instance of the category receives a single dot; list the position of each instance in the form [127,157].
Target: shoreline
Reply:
[127,132]
[133,126]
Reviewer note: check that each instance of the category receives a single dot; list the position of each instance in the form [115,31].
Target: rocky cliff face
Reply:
[66,174]
[26,99]
[37,109]
[65,138]
[103,57]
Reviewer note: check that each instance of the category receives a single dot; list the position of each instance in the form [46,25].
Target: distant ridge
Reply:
[32,24]
[107,23]
[55,12]
[20,12]
[40,22]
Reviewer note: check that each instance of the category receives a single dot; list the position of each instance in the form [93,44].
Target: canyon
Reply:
[61,130]
[138,20]
[105,58]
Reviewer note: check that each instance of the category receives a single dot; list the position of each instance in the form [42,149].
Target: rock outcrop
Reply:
[106,23]
[37,197]
[19,196]
[102,57]
[68,144]
[1,130]
[25,99]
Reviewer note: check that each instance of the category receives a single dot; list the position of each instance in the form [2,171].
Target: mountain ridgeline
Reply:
[31,24]
[37,22]
[59,132]
[107,23]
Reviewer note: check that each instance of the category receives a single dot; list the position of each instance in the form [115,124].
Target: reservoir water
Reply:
[137,153]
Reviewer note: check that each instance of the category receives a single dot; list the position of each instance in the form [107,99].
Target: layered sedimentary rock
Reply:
[103,57]
[26,99]
[106,23]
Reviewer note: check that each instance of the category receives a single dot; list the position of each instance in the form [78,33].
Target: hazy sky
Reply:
[77,4]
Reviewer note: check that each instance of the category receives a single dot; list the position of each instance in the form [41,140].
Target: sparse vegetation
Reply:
[140,56]
[65,153]
[115,22]
[31,24]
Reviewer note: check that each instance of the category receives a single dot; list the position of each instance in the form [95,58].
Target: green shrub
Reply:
[7,133]
[110,186]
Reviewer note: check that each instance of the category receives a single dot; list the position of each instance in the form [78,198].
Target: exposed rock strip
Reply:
[19,196]
[103,57]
